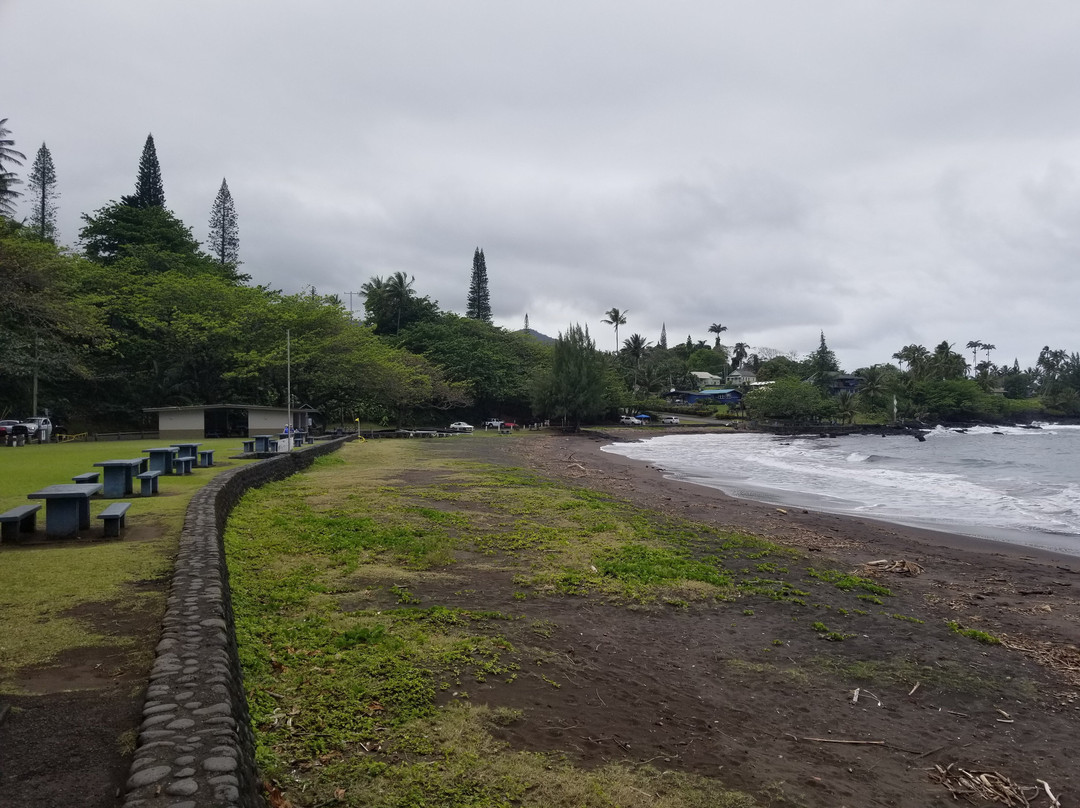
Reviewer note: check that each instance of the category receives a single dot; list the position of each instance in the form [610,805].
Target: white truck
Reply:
[38,428]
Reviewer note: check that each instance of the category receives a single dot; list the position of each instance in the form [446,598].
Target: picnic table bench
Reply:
[249,446]
[148,483]
[206,458]
[67,507]
[183,464]
[88,477]
[21,519]
[114,518]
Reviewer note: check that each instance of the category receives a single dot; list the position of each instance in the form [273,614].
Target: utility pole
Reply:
[288,381]
[350,294]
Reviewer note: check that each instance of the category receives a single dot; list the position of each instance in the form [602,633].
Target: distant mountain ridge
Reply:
[544,338]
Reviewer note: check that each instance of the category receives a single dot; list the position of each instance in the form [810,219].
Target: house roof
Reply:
[194,407]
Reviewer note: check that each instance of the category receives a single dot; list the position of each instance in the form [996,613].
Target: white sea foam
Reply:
[1016,484]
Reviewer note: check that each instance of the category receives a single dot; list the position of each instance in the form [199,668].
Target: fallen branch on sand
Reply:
[989,786]
[899,566]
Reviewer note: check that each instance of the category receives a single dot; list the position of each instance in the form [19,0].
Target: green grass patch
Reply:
[358,673]
[847,582]
[973,633]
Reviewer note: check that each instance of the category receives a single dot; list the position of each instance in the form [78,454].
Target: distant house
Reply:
[705,379]
[741,376]
[836,383]
[727,395]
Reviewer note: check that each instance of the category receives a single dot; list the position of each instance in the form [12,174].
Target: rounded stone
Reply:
[147,776]
[219,764]
[182,788]
[180,723]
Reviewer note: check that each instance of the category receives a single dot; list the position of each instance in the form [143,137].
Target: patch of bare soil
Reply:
[69,740]
[748,693]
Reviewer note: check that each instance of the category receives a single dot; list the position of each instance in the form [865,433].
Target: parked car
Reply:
[460,426]
[492,423]
[38,428]
[630,420]
[6,425]
[669,419]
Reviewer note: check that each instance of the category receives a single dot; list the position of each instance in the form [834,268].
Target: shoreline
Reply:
[1007,541]
[653,486]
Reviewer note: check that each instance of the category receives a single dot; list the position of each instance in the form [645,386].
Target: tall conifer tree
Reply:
[149,189]
[42,187]
[479,303]
[224,240]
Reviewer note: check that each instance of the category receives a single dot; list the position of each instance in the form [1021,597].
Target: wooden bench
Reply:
[114,518]
[148,482]
[249,446]
[183,464]
[22,519]
[206,457]
[89,477]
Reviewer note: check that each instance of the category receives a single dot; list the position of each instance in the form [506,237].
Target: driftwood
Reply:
[900,566]
[985,785]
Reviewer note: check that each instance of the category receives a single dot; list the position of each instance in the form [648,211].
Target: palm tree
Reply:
[986,346]
[738,354]
[916,356]
[947,363]
[399,290]
[717,329]
[974,346]
[8,180]
[635,348]
[845,406]
[615,318]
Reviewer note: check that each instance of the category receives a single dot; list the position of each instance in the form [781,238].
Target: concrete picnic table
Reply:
[161,458]
[67,507]
[189,450]
[262,443]
[120,476]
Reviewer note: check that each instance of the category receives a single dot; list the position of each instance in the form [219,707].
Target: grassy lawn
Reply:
[358,676]
[40,584]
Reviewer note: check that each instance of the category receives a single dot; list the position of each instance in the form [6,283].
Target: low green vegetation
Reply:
[361,664]
[980,636]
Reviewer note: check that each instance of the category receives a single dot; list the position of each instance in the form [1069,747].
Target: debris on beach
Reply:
[985,785]
[900,567]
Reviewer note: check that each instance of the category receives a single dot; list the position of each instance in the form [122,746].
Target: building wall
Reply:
[180,425]
[266,422]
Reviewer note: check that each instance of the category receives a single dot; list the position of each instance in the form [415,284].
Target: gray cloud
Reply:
[887,175]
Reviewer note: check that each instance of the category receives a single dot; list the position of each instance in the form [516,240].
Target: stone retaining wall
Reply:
[196,748]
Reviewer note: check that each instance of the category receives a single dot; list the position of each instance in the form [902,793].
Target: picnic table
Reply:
[262,443]
[67,507]
[161,458]
[187,449]
[119,476]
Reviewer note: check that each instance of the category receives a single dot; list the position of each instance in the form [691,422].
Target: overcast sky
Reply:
[886,173]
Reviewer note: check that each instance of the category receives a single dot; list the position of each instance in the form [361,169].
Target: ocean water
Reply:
[1010,484]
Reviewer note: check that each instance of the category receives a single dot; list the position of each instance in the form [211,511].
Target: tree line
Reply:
[143,315]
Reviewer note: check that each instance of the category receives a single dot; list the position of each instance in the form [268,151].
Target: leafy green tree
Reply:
[615,317]
[118,231]
[479,302]
[945,363]
[779,367]
[738,354]
[574,389]
[224,242]
[42,187]
[787,398]
[707,360]
[8,180]
[48,327]
[149,188]
[493,366]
